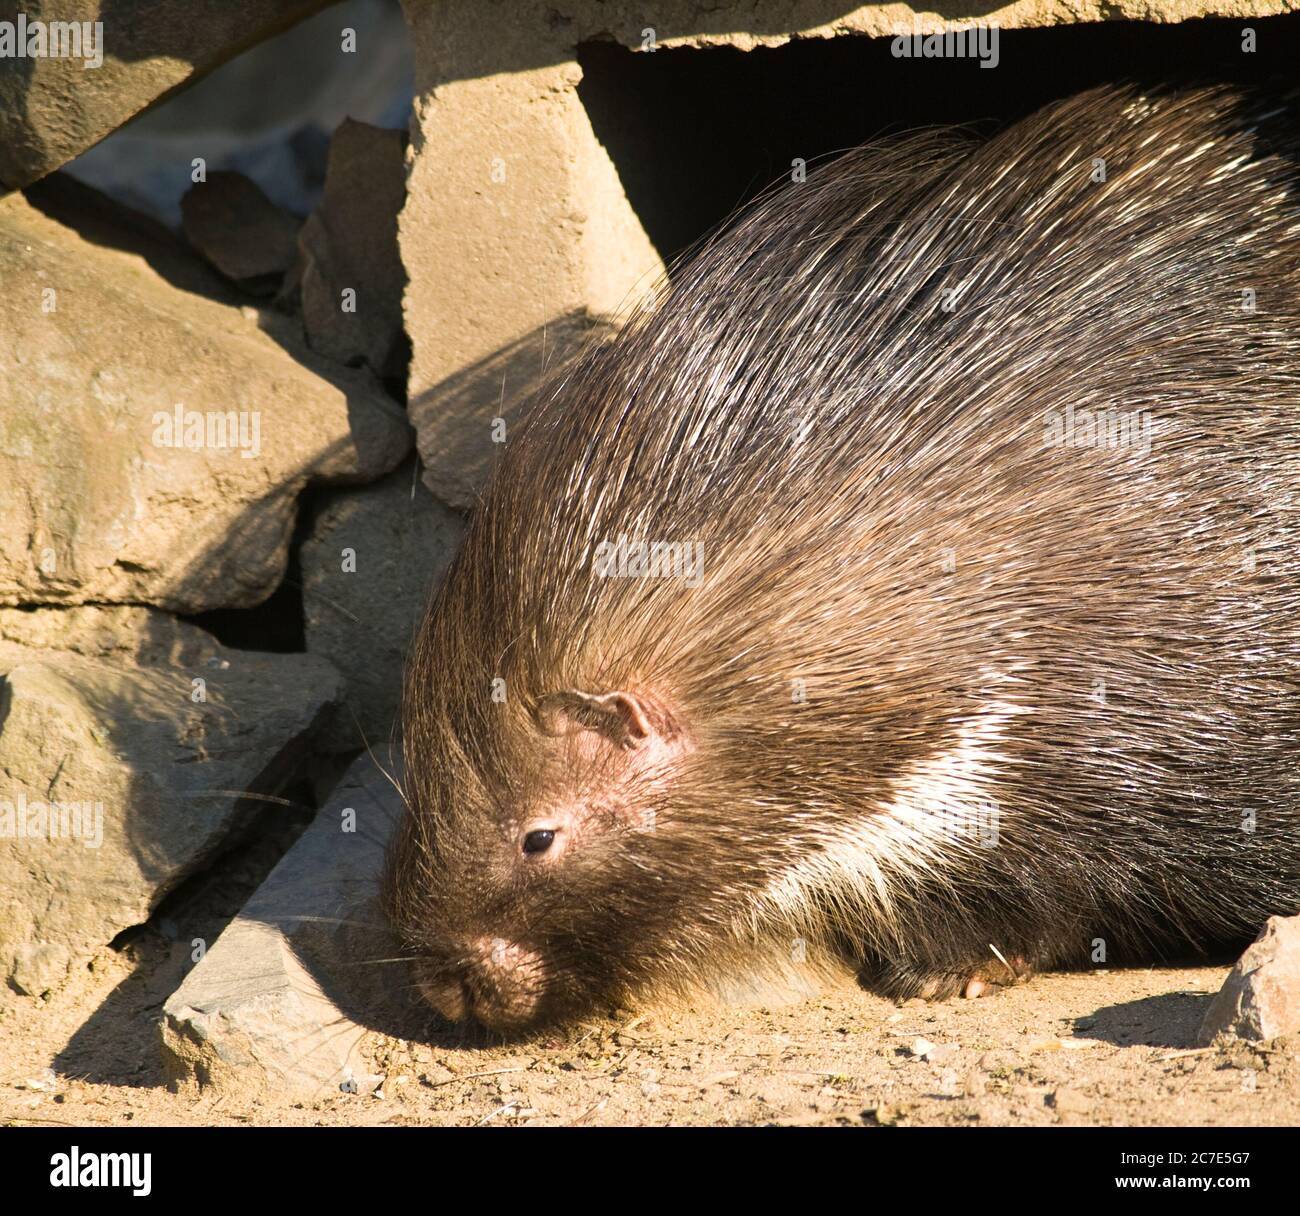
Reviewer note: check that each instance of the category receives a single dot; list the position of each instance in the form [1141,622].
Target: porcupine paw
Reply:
[993,974]
[903,981]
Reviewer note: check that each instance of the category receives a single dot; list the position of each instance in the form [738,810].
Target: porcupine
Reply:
[913,585]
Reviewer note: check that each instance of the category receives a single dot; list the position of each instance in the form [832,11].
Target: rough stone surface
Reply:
[281,1000]
[240,231]
[119,632]
[746,24]
[350,243]
[368,565]
[463,426]
[1260,999]
[512,199]
[107,500]
[143,764]
[52,108]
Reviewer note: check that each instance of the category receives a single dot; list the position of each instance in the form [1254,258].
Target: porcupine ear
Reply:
[626,719]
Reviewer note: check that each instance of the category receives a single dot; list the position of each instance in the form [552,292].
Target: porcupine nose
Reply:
[445,995]
[497,983]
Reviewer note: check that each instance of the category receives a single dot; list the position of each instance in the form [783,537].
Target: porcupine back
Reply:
[916,609]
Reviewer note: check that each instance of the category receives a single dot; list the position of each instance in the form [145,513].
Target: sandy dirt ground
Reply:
[1113,1047]
[1098,1048]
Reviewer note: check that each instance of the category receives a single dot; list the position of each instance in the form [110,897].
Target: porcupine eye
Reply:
[539,841]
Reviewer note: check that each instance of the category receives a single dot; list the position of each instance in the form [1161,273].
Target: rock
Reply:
[121,771]
[53,107]
[349,244]
[463,425]
[253,116]
[281,1000]
[102,220]
[368,565]
[138,635]
[517,237]
[1260,999]
[240,231]
[932,1053]
[153,442]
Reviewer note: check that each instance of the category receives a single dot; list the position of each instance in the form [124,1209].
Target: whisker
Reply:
[251,795]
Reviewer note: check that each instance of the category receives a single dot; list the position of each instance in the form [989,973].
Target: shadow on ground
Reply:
[1171,1019]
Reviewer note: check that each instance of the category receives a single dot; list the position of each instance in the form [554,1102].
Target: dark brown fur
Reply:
[1096,649]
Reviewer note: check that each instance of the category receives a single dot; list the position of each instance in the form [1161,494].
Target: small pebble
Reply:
[1069,1102]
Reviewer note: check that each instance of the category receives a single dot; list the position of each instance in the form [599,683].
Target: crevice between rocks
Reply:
[278,624]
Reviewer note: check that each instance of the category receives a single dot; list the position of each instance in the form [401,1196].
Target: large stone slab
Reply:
[281,1001]
[746,24]
[1260,999]
[153,441]
[54,107]
[516,235]
[369,564]
[125,764]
